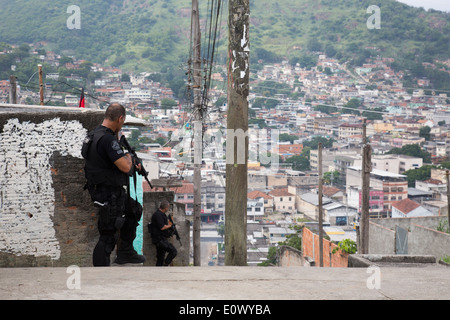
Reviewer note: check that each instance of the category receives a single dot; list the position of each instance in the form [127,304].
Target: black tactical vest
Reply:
[97,170]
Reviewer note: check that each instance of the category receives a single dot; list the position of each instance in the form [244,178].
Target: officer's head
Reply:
[164,206]
[115,116]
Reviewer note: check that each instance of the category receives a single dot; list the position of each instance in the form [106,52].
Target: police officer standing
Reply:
[107,170]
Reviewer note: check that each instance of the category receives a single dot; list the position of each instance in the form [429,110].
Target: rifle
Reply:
[175,231]
[142,172]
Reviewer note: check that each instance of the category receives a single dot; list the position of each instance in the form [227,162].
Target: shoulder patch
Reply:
[115,146]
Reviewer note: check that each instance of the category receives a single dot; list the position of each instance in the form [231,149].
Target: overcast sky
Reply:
[443,5]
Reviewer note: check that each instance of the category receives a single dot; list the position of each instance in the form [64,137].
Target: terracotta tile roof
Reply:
[405,205]
[433,181]
[280,192]
[258,194]
[329,191]
[187,188]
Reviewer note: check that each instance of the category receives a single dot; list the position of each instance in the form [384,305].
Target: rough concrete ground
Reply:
[427,282]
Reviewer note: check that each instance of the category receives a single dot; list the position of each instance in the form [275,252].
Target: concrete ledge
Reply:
[365,260]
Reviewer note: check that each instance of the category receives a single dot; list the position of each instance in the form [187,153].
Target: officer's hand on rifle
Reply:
[137,164]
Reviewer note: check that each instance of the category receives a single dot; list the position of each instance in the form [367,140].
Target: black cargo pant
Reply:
[118,217]
[163,247]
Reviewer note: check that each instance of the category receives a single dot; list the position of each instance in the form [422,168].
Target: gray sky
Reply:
[443,5]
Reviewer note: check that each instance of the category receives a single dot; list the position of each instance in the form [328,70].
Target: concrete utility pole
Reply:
[13,90]
[237,122]
[41,85]
[198,132]
[320,207]
[366,168]
[448,197]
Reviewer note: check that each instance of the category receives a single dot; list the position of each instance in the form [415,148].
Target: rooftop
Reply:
[380,173]
[405,205]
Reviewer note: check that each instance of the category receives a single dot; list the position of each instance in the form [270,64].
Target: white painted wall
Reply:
[26,192]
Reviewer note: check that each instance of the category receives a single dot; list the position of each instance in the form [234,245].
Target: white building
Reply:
[407,208]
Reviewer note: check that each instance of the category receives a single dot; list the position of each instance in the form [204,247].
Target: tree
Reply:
[420,174]
[325,109]
[425,133]
[314,142]
[271,258]
[352,106]
[288,137]
[293,240]
[412,150]
[125,77]
[331,177]
[299,163]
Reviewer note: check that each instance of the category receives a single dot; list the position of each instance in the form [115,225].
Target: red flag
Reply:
[81,104]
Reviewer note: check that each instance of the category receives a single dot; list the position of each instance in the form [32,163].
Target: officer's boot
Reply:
[127,254]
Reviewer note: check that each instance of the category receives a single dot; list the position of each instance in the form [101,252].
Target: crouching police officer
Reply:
[161,229]
[107,170]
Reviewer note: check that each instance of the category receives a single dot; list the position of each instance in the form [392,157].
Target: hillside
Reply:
[152,34]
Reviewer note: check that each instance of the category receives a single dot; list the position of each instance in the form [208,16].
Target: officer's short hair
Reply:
[164,204]
[114,111]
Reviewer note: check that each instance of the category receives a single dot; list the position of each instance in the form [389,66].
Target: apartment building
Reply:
[283,200]
[396,163]
[394,186]
[347,130]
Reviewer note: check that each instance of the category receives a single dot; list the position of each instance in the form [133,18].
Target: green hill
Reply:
[152,34]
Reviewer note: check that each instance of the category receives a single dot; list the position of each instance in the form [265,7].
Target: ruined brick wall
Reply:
[46,219]
[310,248]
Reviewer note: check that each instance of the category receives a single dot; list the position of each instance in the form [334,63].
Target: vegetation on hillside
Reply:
[153,34]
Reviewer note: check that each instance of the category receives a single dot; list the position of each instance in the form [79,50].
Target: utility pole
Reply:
[448,197]
[13,90]
[320,207]
[41,85]
[198,132]
[237,125]
[366,168]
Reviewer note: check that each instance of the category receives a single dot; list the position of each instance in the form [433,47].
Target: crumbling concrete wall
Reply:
[423,237]
[290,257]
[152,201]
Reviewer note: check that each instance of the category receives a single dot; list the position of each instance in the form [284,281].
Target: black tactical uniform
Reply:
[160,238]
[117,211]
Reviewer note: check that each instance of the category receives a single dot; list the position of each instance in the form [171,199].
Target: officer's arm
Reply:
[167,226]
[124,163]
